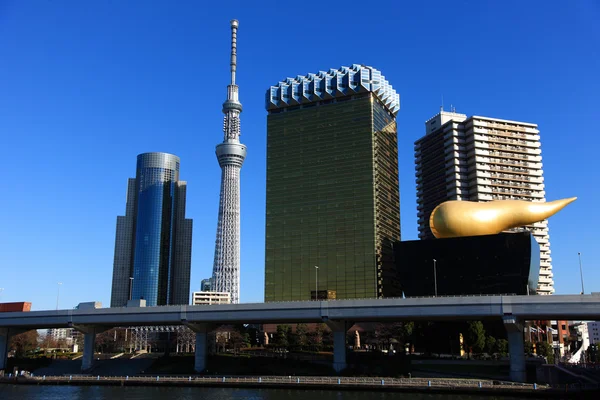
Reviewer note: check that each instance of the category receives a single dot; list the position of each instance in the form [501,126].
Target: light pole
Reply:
[316,283]
[1,290]
[435,276]
[58,294]
[130,287]
[581,272]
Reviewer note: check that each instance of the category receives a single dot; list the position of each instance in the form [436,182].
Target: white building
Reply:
[594,332]
[208,298]
[65,334]
[583,339]
[482,159]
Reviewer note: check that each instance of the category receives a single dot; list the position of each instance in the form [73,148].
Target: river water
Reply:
[27,392]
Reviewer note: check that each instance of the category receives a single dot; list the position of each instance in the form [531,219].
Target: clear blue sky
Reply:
[85,86]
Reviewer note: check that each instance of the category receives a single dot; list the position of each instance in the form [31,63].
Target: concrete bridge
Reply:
[339,315]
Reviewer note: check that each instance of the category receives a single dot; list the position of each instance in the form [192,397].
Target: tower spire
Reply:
[232,106]
[234,25]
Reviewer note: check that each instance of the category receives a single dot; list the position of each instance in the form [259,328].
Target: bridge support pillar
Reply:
[89,341]
[201,331]
[5,334]
[3,347]
[339,329]
[516,348]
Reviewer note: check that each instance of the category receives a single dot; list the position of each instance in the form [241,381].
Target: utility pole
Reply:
[316,283]
[131,288]
[435,275]
[581,273]
[58,294]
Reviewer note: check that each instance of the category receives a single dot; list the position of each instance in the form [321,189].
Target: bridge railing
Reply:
[297,380]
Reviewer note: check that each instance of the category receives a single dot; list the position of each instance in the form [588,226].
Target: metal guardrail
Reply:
[301,380]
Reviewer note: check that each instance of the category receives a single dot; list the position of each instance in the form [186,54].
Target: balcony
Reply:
[515,149]
[503,140]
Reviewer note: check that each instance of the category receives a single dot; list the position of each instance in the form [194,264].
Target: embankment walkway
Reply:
[440,385]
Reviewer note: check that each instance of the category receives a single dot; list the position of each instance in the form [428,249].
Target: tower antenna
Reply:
[233,64]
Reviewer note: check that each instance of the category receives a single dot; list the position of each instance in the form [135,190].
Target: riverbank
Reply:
[433,386]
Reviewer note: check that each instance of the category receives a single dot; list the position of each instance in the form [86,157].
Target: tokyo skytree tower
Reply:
[231,154]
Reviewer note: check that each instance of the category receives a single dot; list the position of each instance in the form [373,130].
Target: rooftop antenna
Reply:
[442,107]
[233,64]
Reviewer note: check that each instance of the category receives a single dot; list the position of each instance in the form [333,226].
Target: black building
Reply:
[506,263]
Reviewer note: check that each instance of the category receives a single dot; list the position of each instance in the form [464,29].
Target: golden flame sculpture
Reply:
[468,218]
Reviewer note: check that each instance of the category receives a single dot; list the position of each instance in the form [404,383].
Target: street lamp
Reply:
[130,287]
[58,294]
[435,276]
[316,283]
[580,272]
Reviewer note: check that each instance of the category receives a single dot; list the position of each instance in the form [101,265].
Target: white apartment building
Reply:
[208,298]
[594,332]
[482,159]
[61,333]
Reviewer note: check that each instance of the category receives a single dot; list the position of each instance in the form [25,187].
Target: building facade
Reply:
[65,334]
[594,332]
[507,263]
[580,341]
[205,285]
[333,206]
[209,298]
[482,159]
[560,337]
[231,155]
[20,306]
[153,244]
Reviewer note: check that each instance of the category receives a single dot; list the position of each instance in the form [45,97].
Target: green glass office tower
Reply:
[332,186]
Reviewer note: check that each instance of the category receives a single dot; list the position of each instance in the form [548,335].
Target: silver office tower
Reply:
[231,154]
[153,244]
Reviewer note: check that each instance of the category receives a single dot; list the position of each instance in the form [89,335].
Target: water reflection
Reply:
[20,392]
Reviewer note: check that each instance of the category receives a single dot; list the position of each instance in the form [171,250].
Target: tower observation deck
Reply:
[230,154]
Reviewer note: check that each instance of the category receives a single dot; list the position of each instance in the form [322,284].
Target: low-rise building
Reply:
[208,298]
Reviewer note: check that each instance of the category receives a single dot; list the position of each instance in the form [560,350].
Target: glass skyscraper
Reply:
[332,186]
[153,243]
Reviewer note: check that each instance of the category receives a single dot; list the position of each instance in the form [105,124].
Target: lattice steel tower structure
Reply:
[231,154]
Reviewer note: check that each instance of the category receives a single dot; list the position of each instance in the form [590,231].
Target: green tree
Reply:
[502,346]
[235,340]
[327,336]
[282,336]
[301,336]
[24,342]
[490,345]
[316,338]
[528,347]
[246,339]
[406,332]
[593,353]
[544,349]
[475,337]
